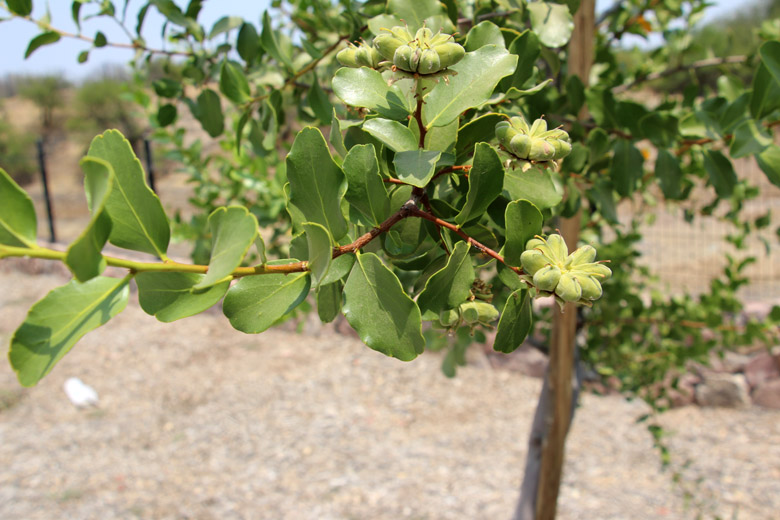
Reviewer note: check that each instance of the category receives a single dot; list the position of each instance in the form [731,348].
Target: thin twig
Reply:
[709,62]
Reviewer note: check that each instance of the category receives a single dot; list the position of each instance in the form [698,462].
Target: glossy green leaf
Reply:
[366,88]
[20,7]
[365,189]
[84,256]
[749,139]
[515,323]
[660,128]
[526,47]
[320,247]
[486,181]
[553,23]
[415,12]
[169,296]
[329,301]
[720,172]
[603,197]
[166,114]
[340,267]
[480,129]
[18,224]
[316,182]
[319,102]
[442,138]
[523,222]
[416,167]
[626,168]
[45,38]
[478,73]
[208,111]
[393,134]
[271,44]
[100,40]
[138,218]
[765,94]
[534,185]
[669,174]
[450,286]
[384,316]
[769,162]
[233,83]
[484,33]
[770,56]
[166,87]
[248,43]
[256,303]
[225,24]
[59,320]
[335,137]
[233,231]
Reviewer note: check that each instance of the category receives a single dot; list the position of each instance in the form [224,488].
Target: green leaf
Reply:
[442,138]
[626,168]
[166,87]
[84,256]
[83,57]
[416,167]
[169,296]
[20,7]
[256,303]
[486,181]
[769,162]
[175,15]
[477,130]
[526,47]
[75,10]
[720,172]
[339,269]
[225,24]
[553,23]
[315,182]
[770,56]
[384,316]
[515,322]
[661,128]
[478,73]
[365,189]
[208,111]
[765,94]
[669,174]
[319,102]
[166,114]
[393,134]
[270,43]
[366,88]
[335,136]
[138,218]
[233,231]
[450,286]
[523,221]
[484,33]
[248,43]
[18,225]
[604,199]
[59,320]
[329,301]
[100,40]
[534,185]
[414,12]
[749,139]
[233,83]
[45,38]
[320,247]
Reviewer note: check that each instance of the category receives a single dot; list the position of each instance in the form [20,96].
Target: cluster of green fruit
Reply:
[476,311]
[534,143]
[574,277]
[423,53]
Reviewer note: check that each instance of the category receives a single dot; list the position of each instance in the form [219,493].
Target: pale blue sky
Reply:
[61,56]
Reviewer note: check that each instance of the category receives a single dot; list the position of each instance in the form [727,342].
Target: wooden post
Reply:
[561,367]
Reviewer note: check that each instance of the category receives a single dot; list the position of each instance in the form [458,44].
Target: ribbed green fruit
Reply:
[423,53]
[534,143]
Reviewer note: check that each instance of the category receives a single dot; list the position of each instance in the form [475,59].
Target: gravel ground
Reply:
[198,421]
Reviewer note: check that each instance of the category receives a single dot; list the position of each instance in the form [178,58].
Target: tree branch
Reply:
[709,62]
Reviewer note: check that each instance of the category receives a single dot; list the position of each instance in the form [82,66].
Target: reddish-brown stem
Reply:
[418,117]
[452,169]
[363,240]
[416,212]
[395,181]
[427,203]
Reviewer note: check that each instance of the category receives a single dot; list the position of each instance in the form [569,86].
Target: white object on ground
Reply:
[79,393]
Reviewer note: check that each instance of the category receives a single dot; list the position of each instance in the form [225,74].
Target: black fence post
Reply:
[46,195]
[149,165]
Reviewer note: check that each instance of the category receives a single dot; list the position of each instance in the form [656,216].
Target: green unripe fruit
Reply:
[449,317]
[469,312]
[534,243]
[562,148]
[583,255]
[546,278]
[558,248]
[478,312]
[541,150]
[429,62]
[568,288]
[595,269]
[449,53]
[535,143]
[533,260]
[504,131]
[591,288]
[388,42]
[423,34]
[520,145]
[538,127]
[359,56]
